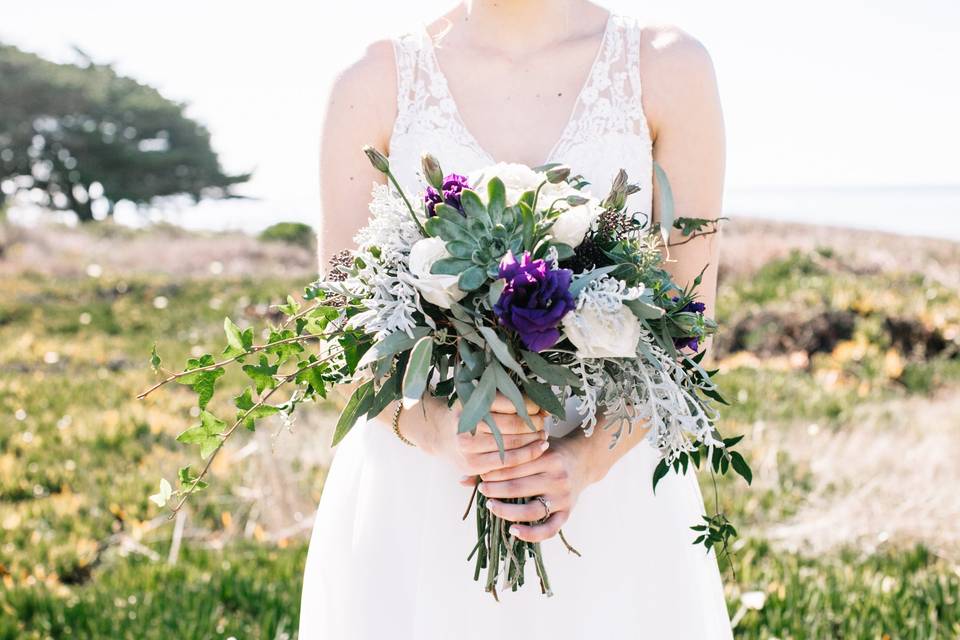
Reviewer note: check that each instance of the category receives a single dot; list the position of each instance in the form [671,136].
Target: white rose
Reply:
[517,178]
[573,224]
[599,334]
[441,290]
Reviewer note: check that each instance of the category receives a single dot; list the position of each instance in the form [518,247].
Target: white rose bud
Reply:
[517,178]
[603,335]
[573,224]
[441,290]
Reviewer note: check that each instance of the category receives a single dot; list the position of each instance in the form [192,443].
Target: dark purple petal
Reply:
[534,299]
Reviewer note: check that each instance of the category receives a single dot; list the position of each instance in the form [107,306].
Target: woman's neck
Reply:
[518,26]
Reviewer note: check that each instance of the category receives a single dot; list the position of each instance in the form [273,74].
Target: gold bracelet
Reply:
[396,424]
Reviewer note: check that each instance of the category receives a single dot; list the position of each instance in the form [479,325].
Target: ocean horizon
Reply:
[928,211]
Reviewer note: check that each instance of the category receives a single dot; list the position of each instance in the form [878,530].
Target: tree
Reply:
[83,132]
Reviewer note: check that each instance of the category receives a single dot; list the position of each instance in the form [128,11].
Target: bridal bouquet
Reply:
[512,279]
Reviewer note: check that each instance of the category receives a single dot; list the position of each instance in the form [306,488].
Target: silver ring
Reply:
[546,506]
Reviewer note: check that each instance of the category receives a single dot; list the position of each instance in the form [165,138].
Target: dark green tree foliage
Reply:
[64,127]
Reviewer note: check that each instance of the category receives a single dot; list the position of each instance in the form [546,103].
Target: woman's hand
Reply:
[558,476]
[476,454]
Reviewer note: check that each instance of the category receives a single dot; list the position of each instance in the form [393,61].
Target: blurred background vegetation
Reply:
[841,354]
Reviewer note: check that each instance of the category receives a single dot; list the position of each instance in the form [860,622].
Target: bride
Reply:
[529,81]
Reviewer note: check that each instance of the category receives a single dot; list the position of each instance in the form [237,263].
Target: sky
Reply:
[848,93]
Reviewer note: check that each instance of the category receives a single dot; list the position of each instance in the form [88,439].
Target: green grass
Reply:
[80,456]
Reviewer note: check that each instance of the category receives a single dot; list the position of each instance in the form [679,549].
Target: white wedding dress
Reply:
[388,555]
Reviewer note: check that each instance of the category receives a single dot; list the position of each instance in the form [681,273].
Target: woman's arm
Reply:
[683,108]
[361,110]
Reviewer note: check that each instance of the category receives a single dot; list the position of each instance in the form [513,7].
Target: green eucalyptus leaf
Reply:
[478,406]
[644,310]
[468,332]
[509,389]
[545,398]
[554,374]
[741,467]
[580,282]
[564,251]
[358,404]
[501,351]
[388,392]
[666,207]
[416,376]
[394,343]
[662,469]
[496,289]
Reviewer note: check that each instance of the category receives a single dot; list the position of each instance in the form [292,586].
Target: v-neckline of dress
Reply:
[571,119]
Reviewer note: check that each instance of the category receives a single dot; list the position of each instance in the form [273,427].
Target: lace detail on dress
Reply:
[607,129]
[611,99]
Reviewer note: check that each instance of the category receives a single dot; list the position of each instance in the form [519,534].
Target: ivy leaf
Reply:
[249,412]
[262,374]
[160,499]
[202,382]
[312,374]
[190,481]
[284,351]
[238,342]
[291,308]
[155,359]
[208,434]
[688,226]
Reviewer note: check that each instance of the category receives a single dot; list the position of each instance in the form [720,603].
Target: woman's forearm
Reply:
[595,453]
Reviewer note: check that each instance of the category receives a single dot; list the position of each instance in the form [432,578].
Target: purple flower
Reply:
[534,300]
[449,194]
[685,343]
[692,343]
[691,307]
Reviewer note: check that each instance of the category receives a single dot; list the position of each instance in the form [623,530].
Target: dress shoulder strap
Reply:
[409,50]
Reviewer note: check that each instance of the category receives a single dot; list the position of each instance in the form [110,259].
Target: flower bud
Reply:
[377,159]
[558,174]
[619,182]
[432,171]
[576,201]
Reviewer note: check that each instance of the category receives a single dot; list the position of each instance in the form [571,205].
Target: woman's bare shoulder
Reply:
[677,72]
[364,90]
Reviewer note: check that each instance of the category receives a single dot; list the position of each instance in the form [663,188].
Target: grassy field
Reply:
[841,358]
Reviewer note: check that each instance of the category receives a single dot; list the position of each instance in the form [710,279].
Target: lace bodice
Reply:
[607,129]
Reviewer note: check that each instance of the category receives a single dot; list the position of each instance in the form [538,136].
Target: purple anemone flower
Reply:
[534,300]
[449,194]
